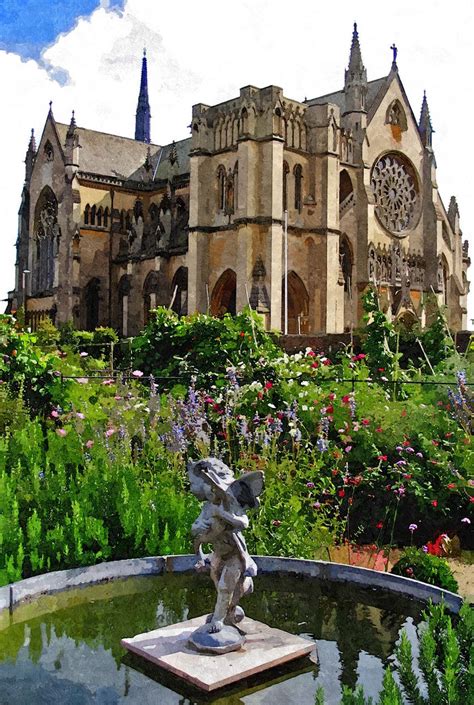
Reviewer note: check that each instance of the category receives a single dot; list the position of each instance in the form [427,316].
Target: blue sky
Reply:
[28,26]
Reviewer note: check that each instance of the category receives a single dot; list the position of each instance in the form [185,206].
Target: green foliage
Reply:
[379,337]
[436,339]
[202,346]
[415,563]
[446,663]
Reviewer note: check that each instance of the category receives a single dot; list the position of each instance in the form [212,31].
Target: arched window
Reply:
[93,214]
[286,171]
[128,220]
[91,295]
[46,234]
[49,151]
[153,212]
[150,293]
[100,215]
[229,193]
[221,190]
[345,262]
[179,292]
[122,219]
[87,214]
[106,217]
[298,172]
[298,305]
[124,288]
[396,116]
[346,192]
[236,185]
[138,210]
[223,299]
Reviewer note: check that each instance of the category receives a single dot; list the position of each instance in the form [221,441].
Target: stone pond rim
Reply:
[27,590]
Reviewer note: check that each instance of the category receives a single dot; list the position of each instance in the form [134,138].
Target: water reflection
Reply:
[66,648]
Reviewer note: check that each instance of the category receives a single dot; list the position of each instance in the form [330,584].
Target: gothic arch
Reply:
[91,299]
[46,234]
[150,292]
[286,171]
[223,299]
[396,116]
[221,187]
[124,289]
[298,305]
[298,173]
[87,214]
[346,191]
[179,291]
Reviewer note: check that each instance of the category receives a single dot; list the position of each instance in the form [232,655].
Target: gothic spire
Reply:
[355,77]
[355,58]
[142,120]
[425,127]
[72,126]
[30,156]
[32,142]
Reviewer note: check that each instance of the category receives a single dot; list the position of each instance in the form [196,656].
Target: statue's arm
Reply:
[239,522]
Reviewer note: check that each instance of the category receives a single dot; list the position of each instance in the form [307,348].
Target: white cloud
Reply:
[204,52]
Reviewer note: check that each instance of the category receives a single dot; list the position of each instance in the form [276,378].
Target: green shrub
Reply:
[415,563]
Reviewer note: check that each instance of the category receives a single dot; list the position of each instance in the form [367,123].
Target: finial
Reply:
[355,27]
[32,143]
[395,52]
[144,52]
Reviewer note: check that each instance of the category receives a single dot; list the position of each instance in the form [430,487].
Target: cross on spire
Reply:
[394,60]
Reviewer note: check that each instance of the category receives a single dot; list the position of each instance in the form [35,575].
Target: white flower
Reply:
[305,383]
[272,406]
[304,407]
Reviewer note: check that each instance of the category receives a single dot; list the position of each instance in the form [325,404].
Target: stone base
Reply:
[264,648]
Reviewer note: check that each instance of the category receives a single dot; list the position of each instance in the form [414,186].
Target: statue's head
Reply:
[209,477]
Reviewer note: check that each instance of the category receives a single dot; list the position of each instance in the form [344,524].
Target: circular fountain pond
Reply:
[65,647]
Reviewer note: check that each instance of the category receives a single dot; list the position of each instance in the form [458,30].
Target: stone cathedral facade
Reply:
[111,227]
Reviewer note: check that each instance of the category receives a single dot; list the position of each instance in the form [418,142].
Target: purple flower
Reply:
[310,485]
[412,527]
[419,455]
[465,520]
[401,462]
[61,432]
[424,549]
[80,415]
[322,445]
[316,505]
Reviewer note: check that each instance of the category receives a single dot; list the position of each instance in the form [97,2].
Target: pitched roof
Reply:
[338,97]
[122,157]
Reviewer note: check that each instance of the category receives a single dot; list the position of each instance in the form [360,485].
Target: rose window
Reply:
[395,189]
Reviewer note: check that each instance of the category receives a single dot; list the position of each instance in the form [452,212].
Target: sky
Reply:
[85,55]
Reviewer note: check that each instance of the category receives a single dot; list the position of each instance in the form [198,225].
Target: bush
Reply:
[415,563]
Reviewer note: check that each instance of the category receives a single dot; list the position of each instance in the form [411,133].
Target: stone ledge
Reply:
[12,595]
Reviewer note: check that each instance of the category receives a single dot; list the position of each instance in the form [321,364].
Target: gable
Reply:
[391,115]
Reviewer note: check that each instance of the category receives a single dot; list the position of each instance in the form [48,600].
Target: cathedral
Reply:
[291,207]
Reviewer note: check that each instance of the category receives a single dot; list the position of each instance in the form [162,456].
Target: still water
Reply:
[65,648]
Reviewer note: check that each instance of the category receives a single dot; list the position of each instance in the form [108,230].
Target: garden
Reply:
[367,450]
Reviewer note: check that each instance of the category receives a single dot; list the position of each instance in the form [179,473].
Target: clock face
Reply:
[395,188]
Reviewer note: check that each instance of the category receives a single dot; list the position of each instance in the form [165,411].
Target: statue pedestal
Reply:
[264,648]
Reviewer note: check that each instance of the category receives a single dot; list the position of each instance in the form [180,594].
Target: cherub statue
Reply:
[221,523]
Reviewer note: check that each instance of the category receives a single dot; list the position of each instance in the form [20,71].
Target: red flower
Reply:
[268,385]
[276,522]
[381,369]
[311,353]
[451,485]
[379,429]
[382,457]
[315,364]
[404,412]
[434,502]
[379,525]
[448,435]
[435,443]
[365,422]
[330,409]
[406,443]
[346,399]
[407,476]
[332,396]
[242,334]
[341,493]
[326,361]
[335,472]
[409,572]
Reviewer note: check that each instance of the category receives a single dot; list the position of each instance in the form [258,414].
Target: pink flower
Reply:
[82,380]
[316,505]
[137,373]
[365,422]
[54,414]
[107,382]
[109,432]
[117,397]
[80,415]
[61,432]
[465,520]
[434,502]
[83,354]
[89,444]
[347,449]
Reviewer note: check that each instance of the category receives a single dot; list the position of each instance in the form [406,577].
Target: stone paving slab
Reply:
[265,648]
